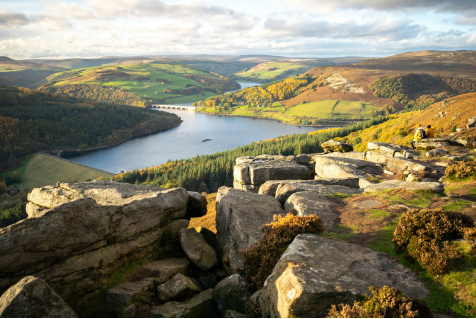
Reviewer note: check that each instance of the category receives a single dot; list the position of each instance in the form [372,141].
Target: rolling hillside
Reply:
[76,63]
[24,73]
[151,82]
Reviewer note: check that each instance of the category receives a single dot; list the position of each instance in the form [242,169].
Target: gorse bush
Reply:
[461,170]
[12,215]
[260,259]
[423,236]
[387,302]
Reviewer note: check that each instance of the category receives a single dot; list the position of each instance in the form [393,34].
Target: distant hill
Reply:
[155,82]
[75,63]
[24,73]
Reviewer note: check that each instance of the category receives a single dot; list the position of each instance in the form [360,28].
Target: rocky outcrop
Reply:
[336,146]
[335,167]
[33,298]
[127,292]
[163,270]
[231,294]
[436,153]
[199,306]
[353,155]
[382,152]
[81,233]
[270,187]
[400,164]
[250,173]
[239,217]
[432,143]
[393,184]
[197,249]
[315,272]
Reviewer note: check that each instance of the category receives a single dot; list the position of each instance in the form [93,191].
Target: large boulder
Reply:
[336,146]
[287,189]
[231,294]
[249,175]
[197,249]
[82,232]
[335,167]
[177,288]
[377,157]
[387,148]
[33,298]
[270,187]
[239,218]
[414,186]
[307,203]
[436,153]
[316,272]
[199,306]
[353,155]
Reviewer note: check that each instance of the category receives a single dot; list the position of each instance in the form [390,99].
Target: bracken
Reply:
[387,302]
[423,236]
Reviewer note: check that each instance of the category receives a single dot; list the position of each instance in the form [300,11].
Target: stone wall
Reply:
[78,234]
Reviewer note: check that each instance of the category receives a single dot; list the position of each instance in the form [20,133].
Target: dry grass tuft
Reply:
[261,258]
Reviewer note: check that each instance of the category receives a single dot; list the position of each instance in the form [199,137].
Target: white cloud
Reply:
[9,20]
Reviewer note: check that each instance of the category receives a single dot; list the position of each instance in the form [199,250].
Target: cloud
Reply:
[10,20]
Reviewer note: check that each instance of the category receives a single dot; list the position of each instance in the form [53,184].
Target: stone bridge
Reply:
[176,107]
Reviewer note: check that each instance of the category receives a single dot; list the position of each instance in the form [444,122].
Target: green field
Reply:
[265,71]
[333,108]
[45,170]
[126,77]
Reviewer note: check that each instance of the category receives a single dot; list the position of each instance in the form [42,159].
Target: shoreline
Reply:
[271,119]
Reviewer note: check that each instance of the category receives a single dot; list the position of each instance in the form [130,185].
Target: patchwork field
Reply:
[274,70]
[46,170]
[145,80]
[333,108]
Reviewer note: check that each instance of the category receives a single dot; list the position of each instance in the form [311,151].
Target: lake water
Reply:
[186,140]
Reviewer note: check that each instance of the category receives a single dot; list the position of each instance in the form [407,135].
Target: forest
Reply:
[99,93]
[205,173]
[420,90]
[218,85]
[32,121]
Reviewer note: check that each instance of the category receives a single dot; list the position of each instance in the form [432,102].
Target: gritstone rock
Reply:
[197,249]
[32,298]
[196,205]
[199,306]
[316,272]
[287,189]
[336,146]
[239,218]
[177,288]
[393,184]
[231,294]
[307,203]
[124,293]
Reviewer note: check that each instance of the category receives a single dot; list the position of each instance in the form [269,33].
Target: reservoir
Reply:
[199,134]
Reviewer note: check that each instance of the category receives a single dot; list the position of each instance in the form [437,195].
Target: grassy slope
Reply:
[260,72]
[400,129]
[23,73]
[124,77]
[341,109]
[45,170]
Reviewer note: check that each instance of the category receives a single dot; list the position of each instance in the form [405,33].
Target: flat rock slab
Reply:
[32,297]
[414,186]
[352,155]
[259,171]
[307,203]
[126,292]
[239,218]
[316,272]
[287,189]
[387,148]
[165,269]
[199,306]
[270,187]
[378,157]
[400,164]
[432,143]
[436,153]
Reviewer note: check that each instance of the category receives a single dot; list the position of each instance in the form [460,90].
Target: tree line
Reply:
[31,121]
[205,173]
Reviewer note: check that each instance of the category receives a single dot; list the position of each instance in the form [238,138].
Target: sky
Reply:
[292,28]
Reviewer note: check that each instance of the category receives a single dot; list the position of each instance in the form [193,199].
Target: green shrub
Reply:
[423,236]
[387,302]
[453,129]
[461,170]
[260,259]
[12,215]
